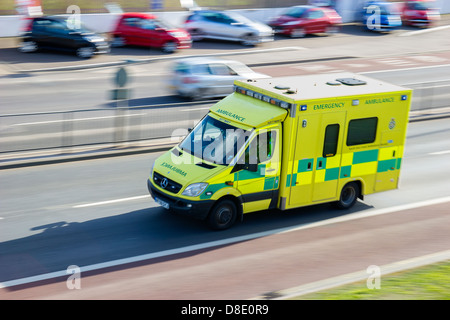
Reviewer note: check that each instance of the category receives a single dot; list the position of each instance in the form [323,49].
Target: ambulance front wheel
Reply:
[223,215]
[349,195]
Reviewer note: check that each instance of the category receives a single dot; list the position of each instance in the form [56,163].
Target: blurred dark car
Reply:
[298,21]
[147,30]
[60,33]
[420,13]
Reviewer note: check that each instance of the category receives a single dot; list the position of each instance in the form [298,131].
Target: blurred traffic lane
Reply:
[59,225]
[230,272]
[352,38]
[57,112]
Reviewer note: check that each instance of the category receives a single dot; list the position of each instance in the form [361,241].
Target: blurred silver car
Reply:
[196,78]
[226,25]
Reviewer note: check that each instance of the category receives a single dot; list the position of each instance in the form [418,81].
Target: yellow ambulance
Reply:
[286,143]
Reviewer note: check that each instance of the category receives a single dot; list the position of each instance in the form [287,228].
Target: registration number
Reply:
[163,204]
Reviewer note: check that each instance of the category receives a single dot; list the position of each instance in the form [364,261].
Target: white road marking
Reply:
[194,109]
[395,61]
[360,215]
[440,152]
[74,120]
[428,58]
[357,65]
[413,33]
[110,201]
[314,67]
[406,69]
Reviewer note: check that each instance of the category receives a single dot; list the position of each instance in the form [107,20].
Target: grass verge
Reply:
[430,282]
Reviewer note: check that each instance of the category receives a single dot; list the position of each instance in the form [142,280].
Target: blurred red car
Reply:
[143,29]
[420,13]
[298,21]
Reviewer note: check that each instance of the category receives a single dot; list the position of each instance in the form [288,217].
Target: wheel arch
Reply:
[237,201]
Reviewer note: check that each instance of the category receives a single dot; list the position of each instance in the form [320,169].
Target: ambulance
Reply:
[285,143]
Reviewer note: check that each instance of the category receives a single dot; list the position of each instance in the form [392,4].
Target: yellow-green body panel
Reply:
[298,173]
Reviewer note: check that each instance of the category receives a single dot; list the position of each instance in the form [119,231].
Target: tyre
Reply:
[223,215]
[298,33]
[196,95]
[196,34]
[349,195]
[118,42]
[248,40]
[85,52]
[331,30]
[28,46]
[169,47]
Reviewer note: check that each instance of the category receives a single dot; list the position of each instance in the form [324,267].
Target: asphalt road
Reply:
[92,212]
[169,114]
[394,57]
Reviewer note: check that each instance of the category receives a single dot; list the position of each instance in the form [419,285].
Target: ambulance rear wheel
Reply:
[349,195]
[223,215]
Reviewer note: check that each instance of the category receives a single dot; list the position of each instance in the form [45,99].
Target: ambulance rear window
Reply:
[362,131]
[331,140]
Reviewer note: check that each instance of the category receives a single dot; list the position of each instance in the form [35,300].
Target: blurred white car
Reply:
[226,25]
[197,78]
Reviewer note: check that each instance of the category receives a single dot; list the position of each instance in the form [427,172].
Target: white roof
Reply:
[319,86]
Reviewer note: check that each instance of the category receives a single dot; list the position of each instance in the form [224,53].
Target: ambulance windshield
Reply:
[215,141]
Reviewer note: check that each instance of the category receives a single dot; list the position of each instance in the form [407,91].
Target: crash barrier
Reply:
[118,124]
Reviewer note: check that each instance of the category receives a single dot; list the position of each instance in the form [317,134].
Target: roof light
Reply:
[281,87]
[351,81]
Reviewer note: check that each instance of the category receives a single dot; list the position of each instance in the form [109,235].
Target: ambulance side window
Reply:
[266,145]
[331,140]
[361,131]
[261,148]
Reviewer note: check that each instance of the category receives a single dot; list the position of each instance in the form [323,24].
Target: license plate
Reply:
[163,204]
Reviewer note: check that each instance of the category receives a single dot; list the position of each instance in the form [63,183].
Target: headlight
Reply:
[195,189]
[94,39]
[177,34]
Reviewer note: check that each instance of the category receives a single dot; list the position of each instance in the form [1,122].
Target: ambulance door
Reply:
[328,156]
[300,175]
[389,160]
[258,175]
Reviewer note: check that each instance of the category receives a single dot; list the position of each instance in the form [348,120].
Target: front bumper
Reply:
[184,43]
[102,48]
[195,209]
[421,22]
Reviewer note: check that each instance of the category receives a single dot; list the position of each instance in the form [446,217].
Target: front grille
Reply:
[171,186]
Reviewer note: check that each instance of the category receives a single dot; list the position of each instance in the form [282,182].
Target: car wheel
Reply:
[298,33]
[248,40]
[329,30]
[196,95]
[85,52]
[118,42]
[169,47]
[28,46]
[223,215]
[348,197]
[196,34]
